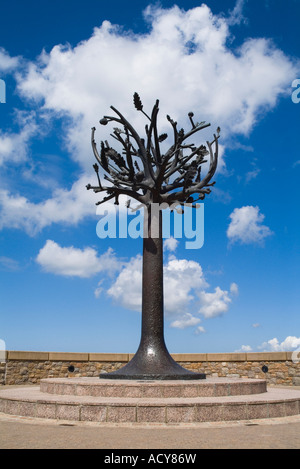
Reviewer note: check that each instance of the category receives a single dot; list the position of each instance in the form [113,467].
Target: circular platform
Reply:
[211,387]
[167,402]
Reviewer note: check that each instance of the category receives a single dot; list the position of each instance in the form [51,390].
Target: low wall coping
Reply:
[19,355]
[125,357]
[108,357]
[267,356]
[189,357]
[226,357]
[68,357]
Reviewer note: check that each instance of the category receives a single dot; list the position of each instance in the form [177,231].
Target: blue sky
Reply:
[230,62]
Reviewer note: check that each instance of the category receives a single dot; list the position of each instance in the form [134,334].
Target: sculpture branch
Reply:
[174,175]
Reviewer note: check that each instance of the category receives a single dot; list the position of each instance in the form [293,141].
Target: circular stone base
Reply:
[140,402]
[211,387]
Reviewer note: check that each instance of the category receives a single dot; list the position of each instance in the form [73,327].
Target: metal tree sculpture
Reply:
[151,177]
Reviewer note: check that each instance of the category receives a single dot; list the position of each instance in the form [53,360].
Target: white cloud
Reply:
[181,279]
[6,263]
[236,15]
[252,175]
[256,325]
[187,320]
[14,146]
[70,261]
[180,276]
[127,289]
[234,289]
[183,54]
[288,344]
[7,63]
[99,289]
[184,289]
[246,226]
[244,348]
[171,244]
[65,206]
[214,304]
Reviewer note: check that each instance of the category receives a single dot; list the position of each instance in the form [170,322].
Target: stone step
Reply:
[31,402]
[153,389]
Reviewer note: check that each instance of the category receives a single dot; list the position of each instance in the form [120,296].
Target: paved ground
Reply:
[27,433]
[24,433]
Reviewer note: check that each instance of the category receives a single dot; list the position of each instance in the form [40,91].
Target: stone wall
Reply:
[31,367]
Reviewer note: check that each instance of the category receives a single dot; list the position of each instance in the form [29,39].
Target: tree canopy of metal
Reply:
[143,172]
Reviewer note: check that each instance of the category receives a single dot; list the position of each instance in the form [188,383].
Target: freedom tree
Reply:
[154,178]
